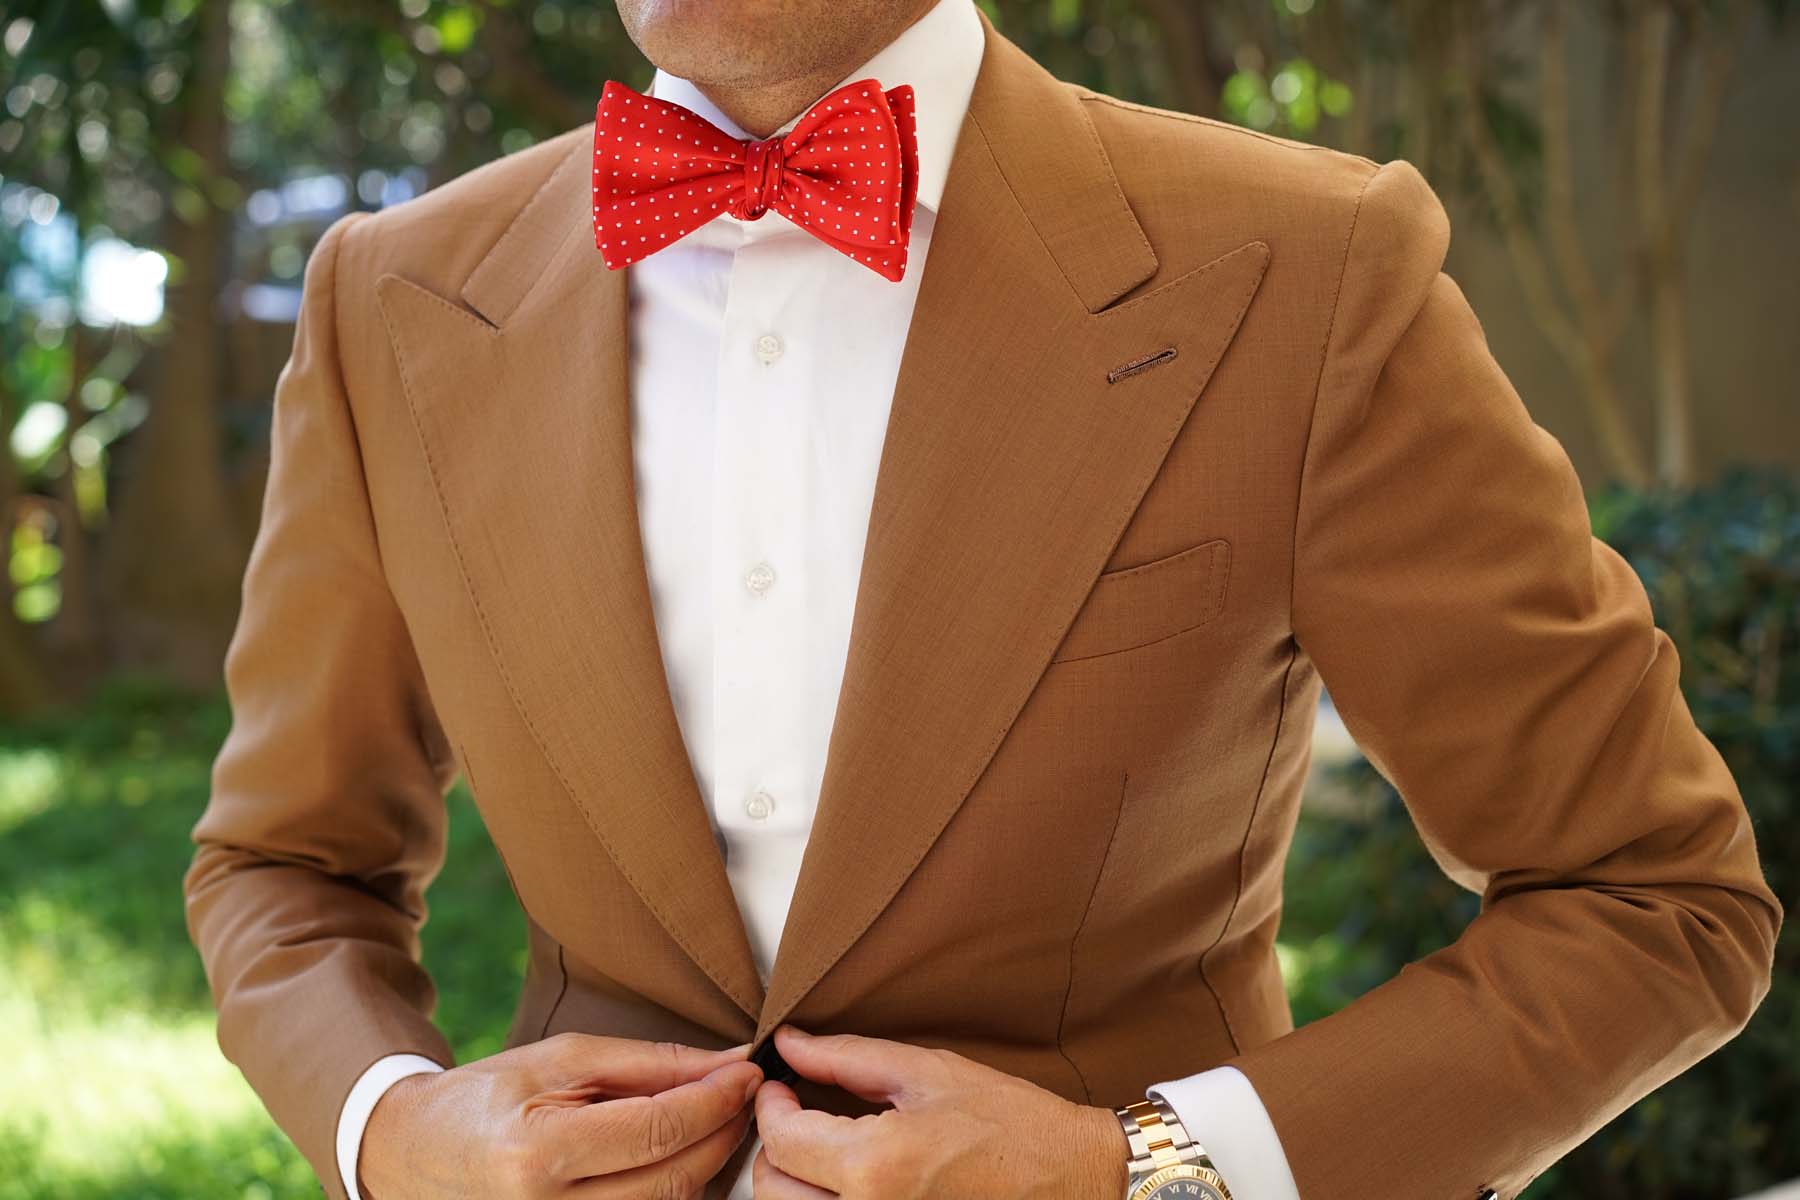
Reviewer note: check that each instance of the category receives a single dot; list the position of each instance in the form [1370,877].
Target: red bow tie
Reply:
[847,173]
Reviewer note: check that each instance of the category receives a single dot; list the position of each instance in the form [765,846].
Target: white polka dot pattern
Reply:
[847,173]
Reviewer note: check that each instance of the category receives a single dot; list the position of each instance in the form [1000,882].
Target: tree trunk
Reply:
[1183,25]
[1668,337]
[174,557]
[1668,195]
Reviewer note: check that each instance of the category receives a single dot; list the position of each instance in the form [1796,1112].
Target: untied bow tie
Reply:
[847,173]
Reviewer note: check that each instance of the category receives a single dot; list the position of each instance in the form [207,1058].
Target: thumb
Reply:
[870,1067]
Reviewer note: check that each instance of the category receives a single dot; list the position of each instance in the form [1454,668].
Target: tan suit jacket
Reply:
[1095,613]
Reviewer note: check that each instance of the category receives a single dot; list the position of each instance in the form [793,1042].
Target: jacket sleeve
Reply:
[326,818]
[1500,666]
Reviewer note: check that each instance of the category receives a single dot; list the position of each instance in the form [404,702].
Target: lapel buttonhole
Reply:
[1140,364]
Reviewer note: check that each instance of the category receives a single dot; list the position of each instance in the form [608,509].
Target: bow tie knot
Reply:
[847,173]
[762,180]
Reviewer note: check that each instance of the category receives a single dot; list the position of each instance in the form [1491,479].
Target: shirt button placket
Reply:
[759,499]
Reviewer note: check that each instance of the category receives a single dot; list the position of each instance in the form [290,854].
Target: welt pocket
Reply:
[1135,606]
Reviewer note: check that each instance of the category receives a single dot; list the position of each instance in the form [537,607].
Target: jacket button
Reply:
[774,1066]
[1488,1194]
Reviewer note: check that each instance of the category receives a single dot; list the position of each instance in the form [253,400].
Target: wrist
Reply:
[384,1135]
[1104,1152]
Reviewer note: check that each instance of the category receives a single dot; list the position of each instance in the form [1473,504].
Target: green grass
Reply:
[113,1084]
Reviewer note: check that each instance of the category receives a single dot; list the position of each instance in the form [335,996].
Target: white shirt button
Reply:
[760,578]
[759,804]
[768,347]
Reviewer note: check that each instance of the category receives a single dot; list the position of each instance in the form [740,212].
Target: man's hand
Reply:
[957,1130]
[570,1116]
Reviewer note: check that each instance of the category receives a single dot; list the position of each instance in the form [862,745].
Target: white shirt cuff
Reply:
[382,1074]
[1222,1112]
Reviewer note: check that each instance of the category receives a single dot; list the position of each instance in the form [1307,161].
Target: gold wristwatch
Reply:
[1166,1164]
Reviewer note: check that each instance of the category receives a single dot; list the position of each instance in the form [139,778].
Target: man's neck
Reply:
[761,109]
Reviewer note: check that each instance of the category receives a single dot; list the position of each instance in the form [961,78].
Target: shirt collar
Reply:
[939,54]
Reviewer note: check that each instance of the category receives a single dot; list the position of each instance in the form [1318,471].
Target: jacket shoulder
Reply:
[1202,187]
[1222,150]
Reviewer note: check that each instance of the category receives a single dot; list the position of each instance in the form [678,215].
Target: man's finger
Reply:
[625,1066]
[869,1067]
[812,1146]
[682,1174]
[769,1182]
[634,1131]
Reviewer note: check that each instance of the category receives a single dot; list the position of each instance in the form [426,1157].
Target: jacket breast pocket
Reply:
[1135,606]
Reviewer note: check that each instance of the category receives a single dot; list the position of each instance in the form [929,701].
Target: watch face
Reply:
[1185,1189]
[1182,1183]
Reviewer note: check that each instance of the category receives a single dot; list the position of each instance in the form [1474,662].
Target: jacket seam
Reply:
[1281,717]
[1312,419]
[1087,93]
[562,990]
[562,971]
[1074,939]
[1312,424]
[345,225]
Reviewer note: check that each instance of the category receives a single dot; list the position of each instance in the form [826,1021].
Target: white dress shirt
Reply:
[763,365]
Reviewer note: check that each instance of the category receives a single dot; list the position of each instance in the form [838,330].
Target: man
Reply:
[909,639]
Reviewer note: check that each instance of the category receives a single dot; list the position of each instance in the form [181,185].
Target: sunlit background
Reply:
[1623,178]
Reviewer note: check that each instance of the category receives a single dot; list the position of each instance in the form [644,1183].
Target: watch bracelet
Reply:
[1157,1138]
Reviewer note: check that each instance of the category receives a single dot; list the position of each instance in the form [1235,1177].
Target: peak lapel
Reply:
[1010,467]
[521,402]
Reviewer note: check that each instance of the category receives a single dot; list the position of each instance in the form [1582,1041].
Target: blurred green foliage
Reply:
[1292,99]
[1722,567]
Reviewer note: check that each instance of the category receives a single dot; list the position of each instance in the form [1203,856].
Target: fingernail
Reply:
[750,1087]
[796,1031]
[735,1049]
